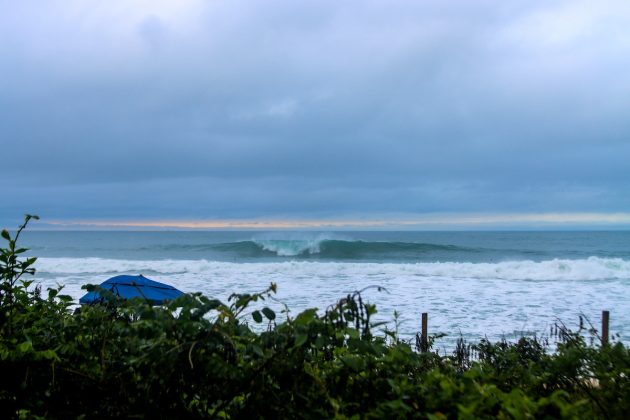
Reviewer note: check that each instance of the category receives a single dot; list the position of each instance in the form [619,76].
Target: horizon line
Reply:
[505,220]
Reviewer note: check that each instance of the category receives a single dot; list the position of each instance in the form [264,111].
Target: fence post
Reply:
[425,322]
[605,322]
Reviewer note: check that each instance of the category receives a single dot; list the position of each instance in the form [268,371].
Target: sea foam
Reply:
[592,268]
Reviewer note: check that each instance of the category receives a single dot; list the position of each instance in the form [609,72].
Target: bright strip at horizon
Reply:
[550,219]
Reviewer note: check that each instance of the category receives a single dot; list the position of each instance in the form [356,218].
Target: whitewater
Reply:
[472,284]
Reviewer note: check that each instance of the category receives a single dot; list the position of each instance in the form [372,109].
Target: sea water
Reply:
[472,284]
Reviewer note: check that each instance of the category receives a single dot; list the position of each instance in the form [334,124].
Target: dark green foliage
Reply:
[198,357]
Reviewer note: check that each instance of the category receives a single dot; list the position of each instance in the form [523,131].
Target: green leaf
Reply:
[49,354]
[257,316]
[321,342]
[25,346]
[28,217]
[271,315]
[306,316]
[352,333]
[354,363]
[29,262]
[5,234]
[300,339]
[371,309]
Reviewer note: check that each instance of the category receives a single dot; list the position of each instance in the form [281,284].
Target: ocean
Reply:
[472,284]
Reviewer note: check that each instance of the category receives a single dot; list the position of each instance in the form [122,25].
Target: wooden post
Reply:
[425,322]
[605,319]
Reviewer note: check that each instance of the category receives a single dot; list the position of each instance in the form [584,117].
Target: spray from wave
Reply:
[290,248]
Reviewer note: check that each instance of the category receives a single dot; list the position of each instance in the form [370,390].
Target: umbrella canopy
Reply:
[128,287]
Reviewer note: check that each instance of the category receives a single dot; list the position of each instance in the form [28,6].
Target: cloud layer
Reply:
[313,109]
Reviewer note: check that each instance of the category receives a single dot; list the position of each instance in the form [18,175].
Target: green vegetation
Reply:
[198,357]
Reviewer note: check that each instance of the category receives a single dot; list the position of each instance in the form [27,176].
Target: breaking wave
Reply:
[334,249]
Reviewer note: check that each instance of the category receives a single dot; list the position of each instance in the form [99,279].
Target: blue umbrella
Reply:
[128,287]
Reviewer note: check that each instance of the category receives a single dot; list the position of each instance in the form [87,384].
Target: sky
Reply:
[307,114]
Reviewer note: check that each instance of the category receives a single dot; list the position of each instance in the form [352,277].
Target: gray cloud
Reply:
[313,109]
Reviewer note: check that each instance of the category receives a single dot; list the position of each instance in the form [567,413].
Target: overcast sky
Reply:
[186,110]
